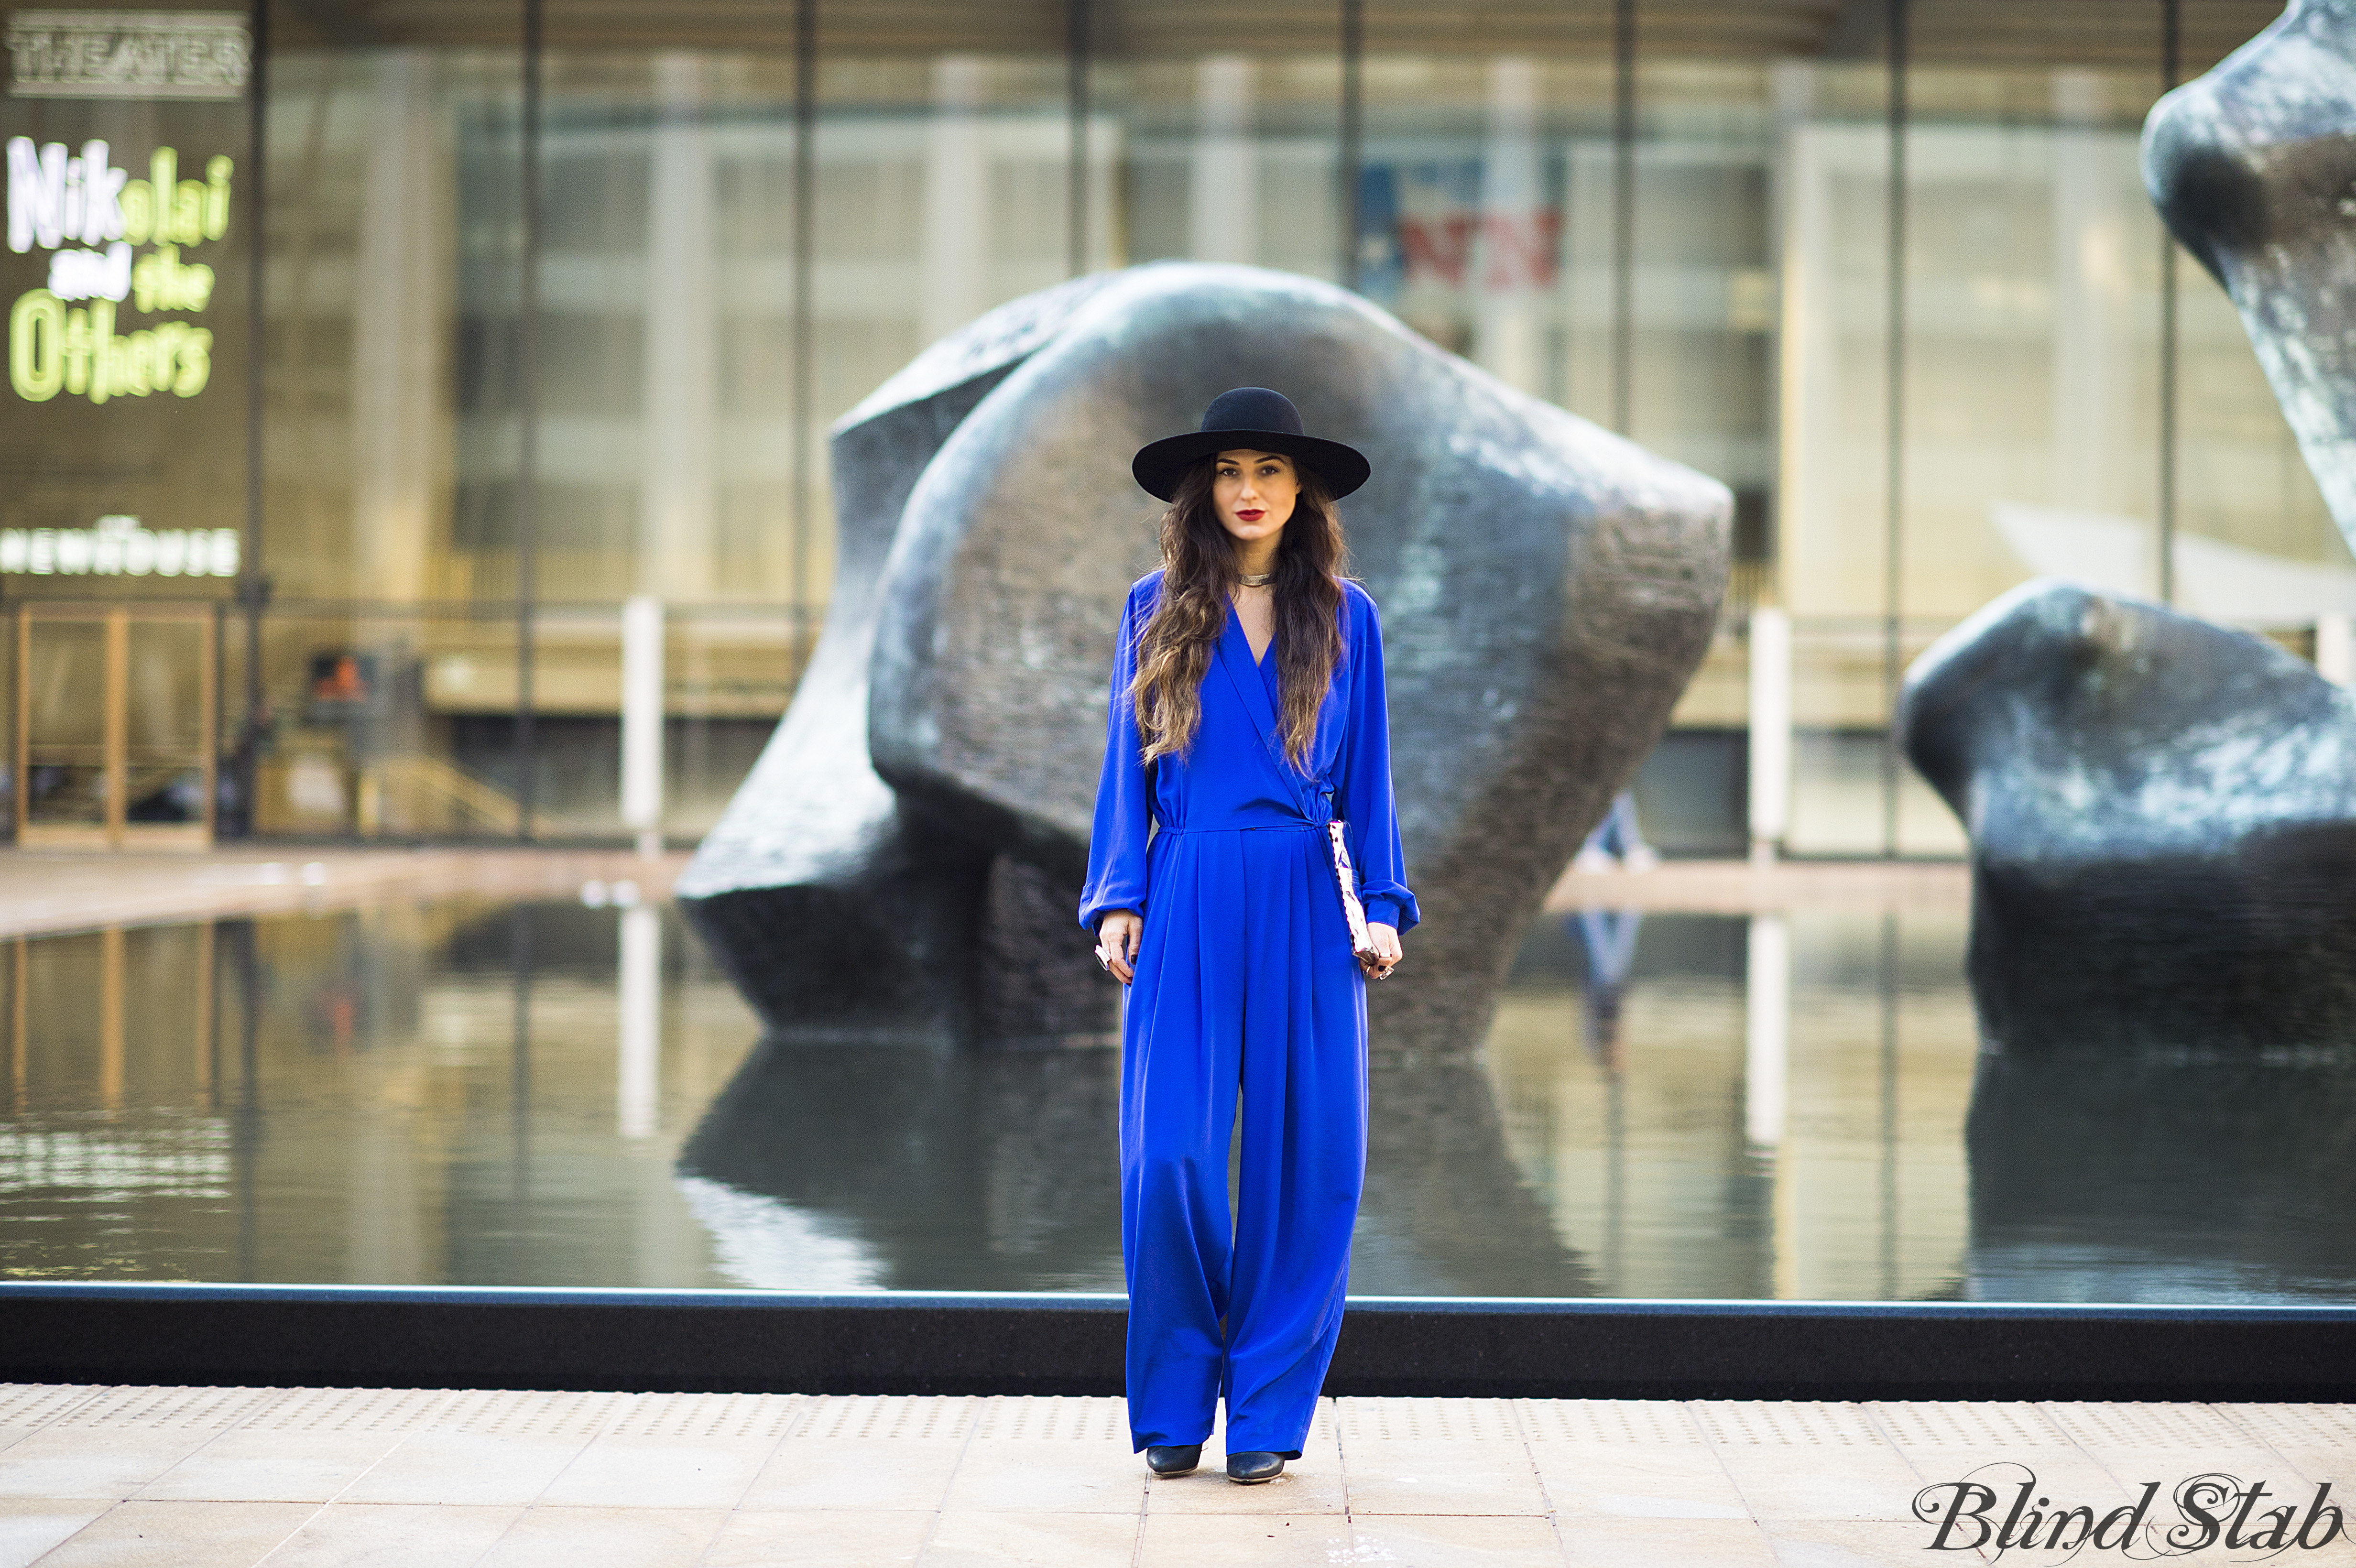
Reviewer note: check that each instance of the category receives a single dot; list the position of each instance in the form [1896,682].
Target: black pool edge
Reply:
[926,1343]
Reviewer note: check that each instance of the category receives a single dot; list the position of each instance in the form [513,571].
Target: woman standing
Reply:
[1247,714]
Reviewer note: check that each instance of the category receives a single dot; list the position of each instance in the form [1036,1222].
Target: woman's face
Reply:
[1254,492]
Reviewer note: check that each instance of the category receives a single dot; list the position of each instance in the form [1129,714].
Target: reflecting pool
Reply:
[469,1092]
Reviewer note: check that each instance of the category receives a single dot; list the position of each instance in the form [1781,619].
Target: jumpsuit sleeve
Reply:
[1124,795]
[1366,800]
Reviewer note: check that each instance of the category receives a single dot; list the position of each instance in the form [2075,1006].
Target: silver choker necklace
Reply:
[1256,579]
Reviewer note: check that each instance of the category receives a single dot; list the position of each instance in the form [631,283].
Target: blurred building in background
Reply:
[367,357]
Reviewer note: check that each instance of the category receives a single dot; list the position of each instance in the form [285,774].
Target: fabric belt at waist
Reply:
[1245,827]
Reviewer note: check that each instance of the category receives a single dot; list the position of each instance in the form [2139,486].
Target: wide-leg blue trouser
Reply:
[1245,984]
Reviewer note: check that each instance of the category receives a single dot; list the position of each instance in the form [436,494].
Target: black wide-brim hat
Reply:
[1256,418]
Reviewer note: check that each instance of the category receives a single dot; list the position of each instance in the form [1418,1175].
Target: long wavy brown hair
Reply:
[1198,576]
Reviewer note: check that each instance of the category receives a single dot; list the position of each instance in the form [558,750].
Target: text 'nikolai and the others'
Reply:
[92,217]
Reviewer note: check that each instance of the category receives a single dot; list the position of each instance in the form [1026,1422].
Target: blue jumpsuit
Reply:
[1244,982]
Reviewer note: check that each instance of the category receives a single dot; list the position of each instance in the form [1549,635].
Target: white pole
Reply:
[954,249]
[1223,204]
[638,1074]
[642,721]
[1509,262]
[1766,1058]
[678,457]
[2335,649]
[1770,732]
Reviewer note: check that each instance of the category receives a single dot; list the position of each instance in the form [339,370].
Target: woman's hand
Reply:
[1387,948]
[1120,935]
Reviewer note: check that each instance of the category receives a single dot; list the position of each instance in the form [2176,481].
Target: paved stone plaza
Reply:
[198,1478]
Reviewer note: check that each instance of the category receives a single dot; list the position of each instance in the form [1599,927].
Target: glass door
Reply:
[62,772]
[115,727]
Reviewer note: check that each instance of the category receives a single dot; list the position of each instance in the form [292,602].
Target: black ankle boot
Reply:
[1176,1459]
[1251,1470]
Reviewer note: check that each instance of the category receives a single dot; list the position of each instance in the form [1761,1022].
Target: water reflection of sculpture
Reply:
[910,1168]
[902,863]
[2163,812]
[2164,1176]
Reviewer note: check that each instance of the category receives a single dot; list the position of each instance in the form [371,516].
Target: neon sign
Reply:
[119,547]
[71,205]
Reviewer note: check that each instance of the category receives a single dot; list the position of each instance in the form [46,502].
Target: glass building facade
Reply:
[367,358]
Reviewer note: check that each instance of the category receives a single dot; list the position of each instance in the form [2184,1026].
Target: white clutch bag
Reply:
[1346,876]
